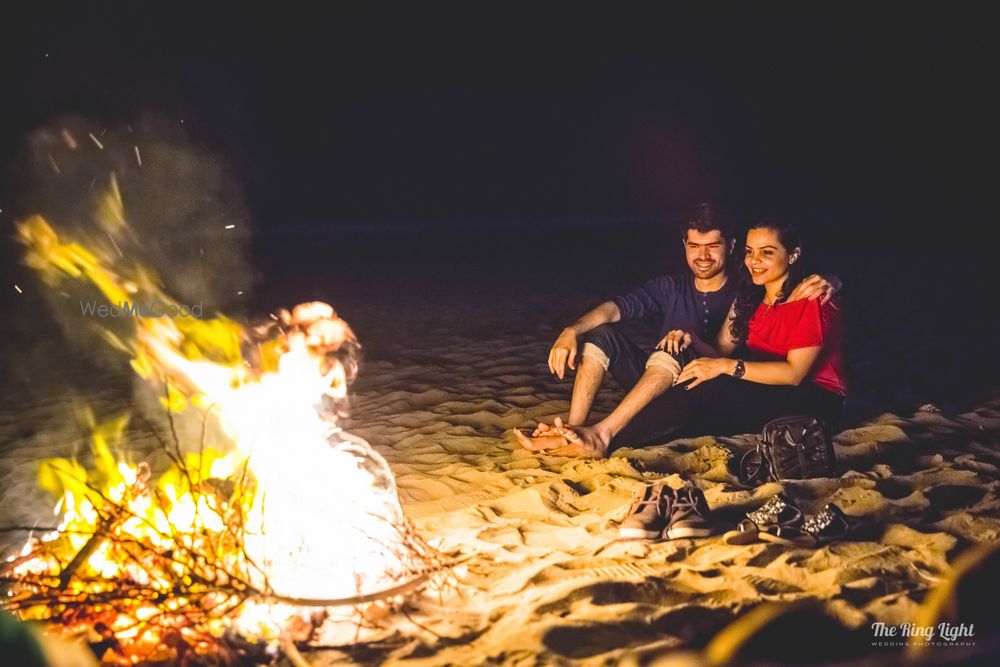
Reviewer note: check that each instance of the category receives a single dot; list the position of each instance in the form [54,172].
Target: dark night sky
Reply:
[872,127]
[444,113]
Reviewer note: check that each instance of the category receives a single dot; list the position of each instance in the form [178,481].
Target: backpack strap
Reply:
[756,466]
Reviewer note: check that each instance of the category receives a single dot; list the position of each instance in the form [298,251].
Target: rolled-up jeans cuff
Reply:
[665,360]
[597,354]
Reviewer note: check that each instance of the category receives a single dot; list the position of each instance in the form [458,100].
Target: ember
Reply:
[299,514]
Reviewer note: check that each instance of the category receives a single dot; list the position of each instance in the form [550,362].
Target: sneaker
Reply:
[648,516]
[689,514]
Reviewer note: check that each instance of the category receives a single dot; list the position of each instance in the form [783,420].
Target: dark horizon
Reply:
[450,115]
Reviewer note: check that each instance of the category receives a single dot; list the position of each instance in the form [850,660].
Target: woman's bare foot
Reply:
[537,443]
[564,440]
[544,436]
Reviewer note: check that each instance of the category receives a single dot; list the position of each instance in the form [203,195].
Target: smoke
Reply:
[148,202]
[184,214]
[182,218]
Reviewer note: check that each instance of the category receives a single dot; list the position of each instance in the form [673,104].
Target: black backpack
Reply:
[793,447]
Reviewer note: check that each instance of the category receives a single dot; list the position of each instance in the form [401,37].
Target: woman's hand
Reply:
[677,341]
[703,369]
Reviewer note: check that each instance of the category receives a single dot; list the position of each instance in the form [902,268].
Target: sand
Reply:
[548,580]
[542,577]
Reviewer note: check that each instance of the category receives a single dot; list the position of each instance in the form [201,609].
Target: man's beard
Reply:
[707,273]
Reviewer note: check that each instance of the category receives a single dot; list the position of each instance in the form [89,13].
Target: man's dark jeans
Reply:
[626,360]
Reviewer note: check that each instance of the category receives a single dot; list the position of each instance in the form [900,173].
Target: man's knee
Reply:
[664,361]
[601,345]
[605,337]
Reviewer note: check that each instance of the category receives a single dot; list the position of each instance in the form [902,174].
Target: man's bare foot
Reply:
[592,439]
[564,440]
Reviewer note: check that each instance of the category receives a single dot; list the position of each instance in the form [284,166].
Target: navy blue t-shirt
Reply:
[675,303]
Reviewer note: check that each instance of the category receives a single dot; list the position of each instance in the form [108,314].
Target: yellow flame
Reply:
[56,260]
[321,518]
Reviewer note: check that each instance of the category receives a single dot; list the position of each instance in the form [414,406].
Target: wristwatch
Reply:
[740,369]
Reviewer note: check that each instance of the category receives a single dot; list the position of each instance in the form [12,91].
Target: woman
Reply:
[793,366]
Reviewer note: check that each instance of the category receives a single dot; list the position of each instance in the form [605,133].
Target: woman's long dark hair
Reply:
[749,296]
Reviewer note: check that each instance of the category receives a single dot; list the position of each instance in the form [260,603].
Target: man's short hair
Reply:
[707,217]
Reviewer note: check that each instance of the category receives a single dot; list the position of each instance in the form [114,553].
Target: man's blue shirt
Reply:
[673,302]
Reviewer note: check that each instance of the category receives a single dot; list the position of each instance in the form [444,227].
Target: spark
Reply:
[112,239]
[18,288]
[95,140]
[230,226]
[54,165]
[138,158]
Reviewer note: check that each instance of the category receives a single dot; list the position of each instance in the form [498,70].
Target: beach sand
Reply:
[450,369]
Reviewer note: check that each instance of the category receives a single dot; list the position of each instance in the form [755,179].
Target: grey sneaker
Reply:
[648,516]
[689,514]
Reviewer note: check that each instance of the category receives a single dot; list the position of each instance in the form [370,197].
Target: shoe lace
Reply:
[690,501]
[654,496]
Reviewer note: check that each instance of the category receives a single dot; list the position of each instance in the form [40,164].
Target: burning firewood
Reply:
[218,548]
[155,580]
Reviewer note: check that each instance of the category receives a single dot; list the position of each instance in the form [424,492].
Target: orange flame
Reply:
[320,518]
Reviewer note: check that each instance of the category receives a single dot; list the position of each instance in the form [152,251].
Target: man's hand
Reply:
[563,352]
[677,341]
[703,369]
[813,287]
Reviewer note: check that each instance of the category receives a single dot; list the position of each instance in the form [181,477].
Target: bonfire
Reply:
[291,530]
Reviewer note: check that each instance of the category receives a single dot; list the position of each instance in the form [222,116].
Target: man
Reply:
[690,309]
